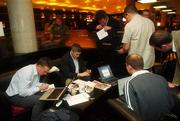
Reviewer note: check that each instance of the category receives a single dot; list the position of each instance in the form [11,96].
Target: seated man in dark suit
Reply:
[147,94]
[73,65]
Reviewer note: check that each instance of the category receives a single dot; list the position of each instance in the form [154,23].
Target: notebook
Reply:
[52,94]
[106,74]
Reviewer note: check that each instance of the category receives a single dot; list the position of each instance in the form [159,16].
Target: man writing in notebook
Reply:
[73,65]
[24,87]
[147,94]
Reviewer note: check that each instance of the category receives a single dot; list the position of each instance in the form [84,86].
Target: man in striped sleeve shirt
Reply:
[147,94]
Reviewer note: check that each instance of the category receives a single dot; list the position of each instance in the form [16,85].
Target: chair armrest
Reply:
[119,105]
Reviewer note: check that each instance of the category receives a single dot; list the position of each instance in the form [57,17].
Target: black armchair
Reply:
[129,115]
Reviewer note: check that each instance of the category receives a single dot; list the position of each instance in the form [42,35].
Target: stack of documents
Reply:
[77,99]
[102,86]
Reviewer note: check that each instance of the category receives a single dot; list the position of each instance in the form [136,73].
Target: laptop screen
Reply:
[105,72]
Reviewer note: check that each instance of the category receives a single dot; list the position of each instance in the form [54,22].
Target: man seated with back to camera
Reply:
[25,89]
[147,94]
[73,66]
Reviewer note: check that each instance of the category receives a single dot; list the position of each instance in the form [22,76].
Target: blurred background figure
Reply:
[146,13]
[59,30]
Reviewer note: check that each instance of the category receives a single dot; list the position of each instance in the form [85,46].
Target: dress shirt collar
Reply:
[135,17]
[35,69]
[139,72]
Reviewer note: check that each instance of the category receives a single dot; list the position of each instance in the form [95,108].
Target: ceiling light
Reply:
[147,1]
[160,6]
[166,10]
[171,12]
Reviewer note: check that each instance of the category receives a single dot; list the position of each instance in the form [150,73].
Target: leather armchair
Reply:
[120,107]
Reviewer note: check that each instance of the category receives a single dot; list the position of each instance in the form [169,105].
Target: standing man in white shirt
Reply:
[24,86]
[136,36]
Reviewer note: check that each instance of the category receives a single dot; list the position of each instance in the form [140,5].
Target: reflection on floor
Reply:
[81,37]
[75,36]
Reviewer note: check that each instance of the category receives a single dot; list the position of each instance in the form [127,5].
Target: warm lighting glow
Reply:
[147,1]
[72,16]
[124,19]
[67,1]
[87,1]
[158,24]
[64,16]
[42,15]
[161,6]
[72,6]
[91,8]
[52,3]
[171,12]
[54,16]
[118,7]
[166,10]
[63,9]
[40,2]
[88,5]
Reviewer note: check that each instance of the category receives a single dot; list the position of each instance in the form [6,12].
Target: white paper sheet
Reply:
[1,29]
[102,34]
[77,99]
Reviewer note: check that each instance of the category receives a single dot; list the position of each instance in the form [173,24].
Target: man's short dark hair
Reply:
[130,8]
[100,14]
[135,60]
[44,61]
[76,47]
[160,37]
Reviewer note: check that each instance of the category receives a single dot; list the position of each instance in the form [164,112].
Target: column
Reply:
[163,19]
[22,25]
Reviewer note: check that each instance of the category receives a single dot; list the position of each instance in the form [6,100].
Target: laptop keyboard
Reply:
[112,80]
[54,94]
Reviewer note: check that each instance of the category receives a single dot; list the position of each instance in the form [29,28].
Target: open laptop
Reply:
[52,94]
[106,74]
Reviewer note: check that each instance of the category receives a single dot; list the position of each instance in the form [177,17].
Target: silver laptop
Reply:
[52,94]
[106,74]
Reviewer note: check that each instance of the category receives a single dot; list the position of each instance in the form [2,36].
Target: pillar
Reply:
[22,26]
[163,19]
